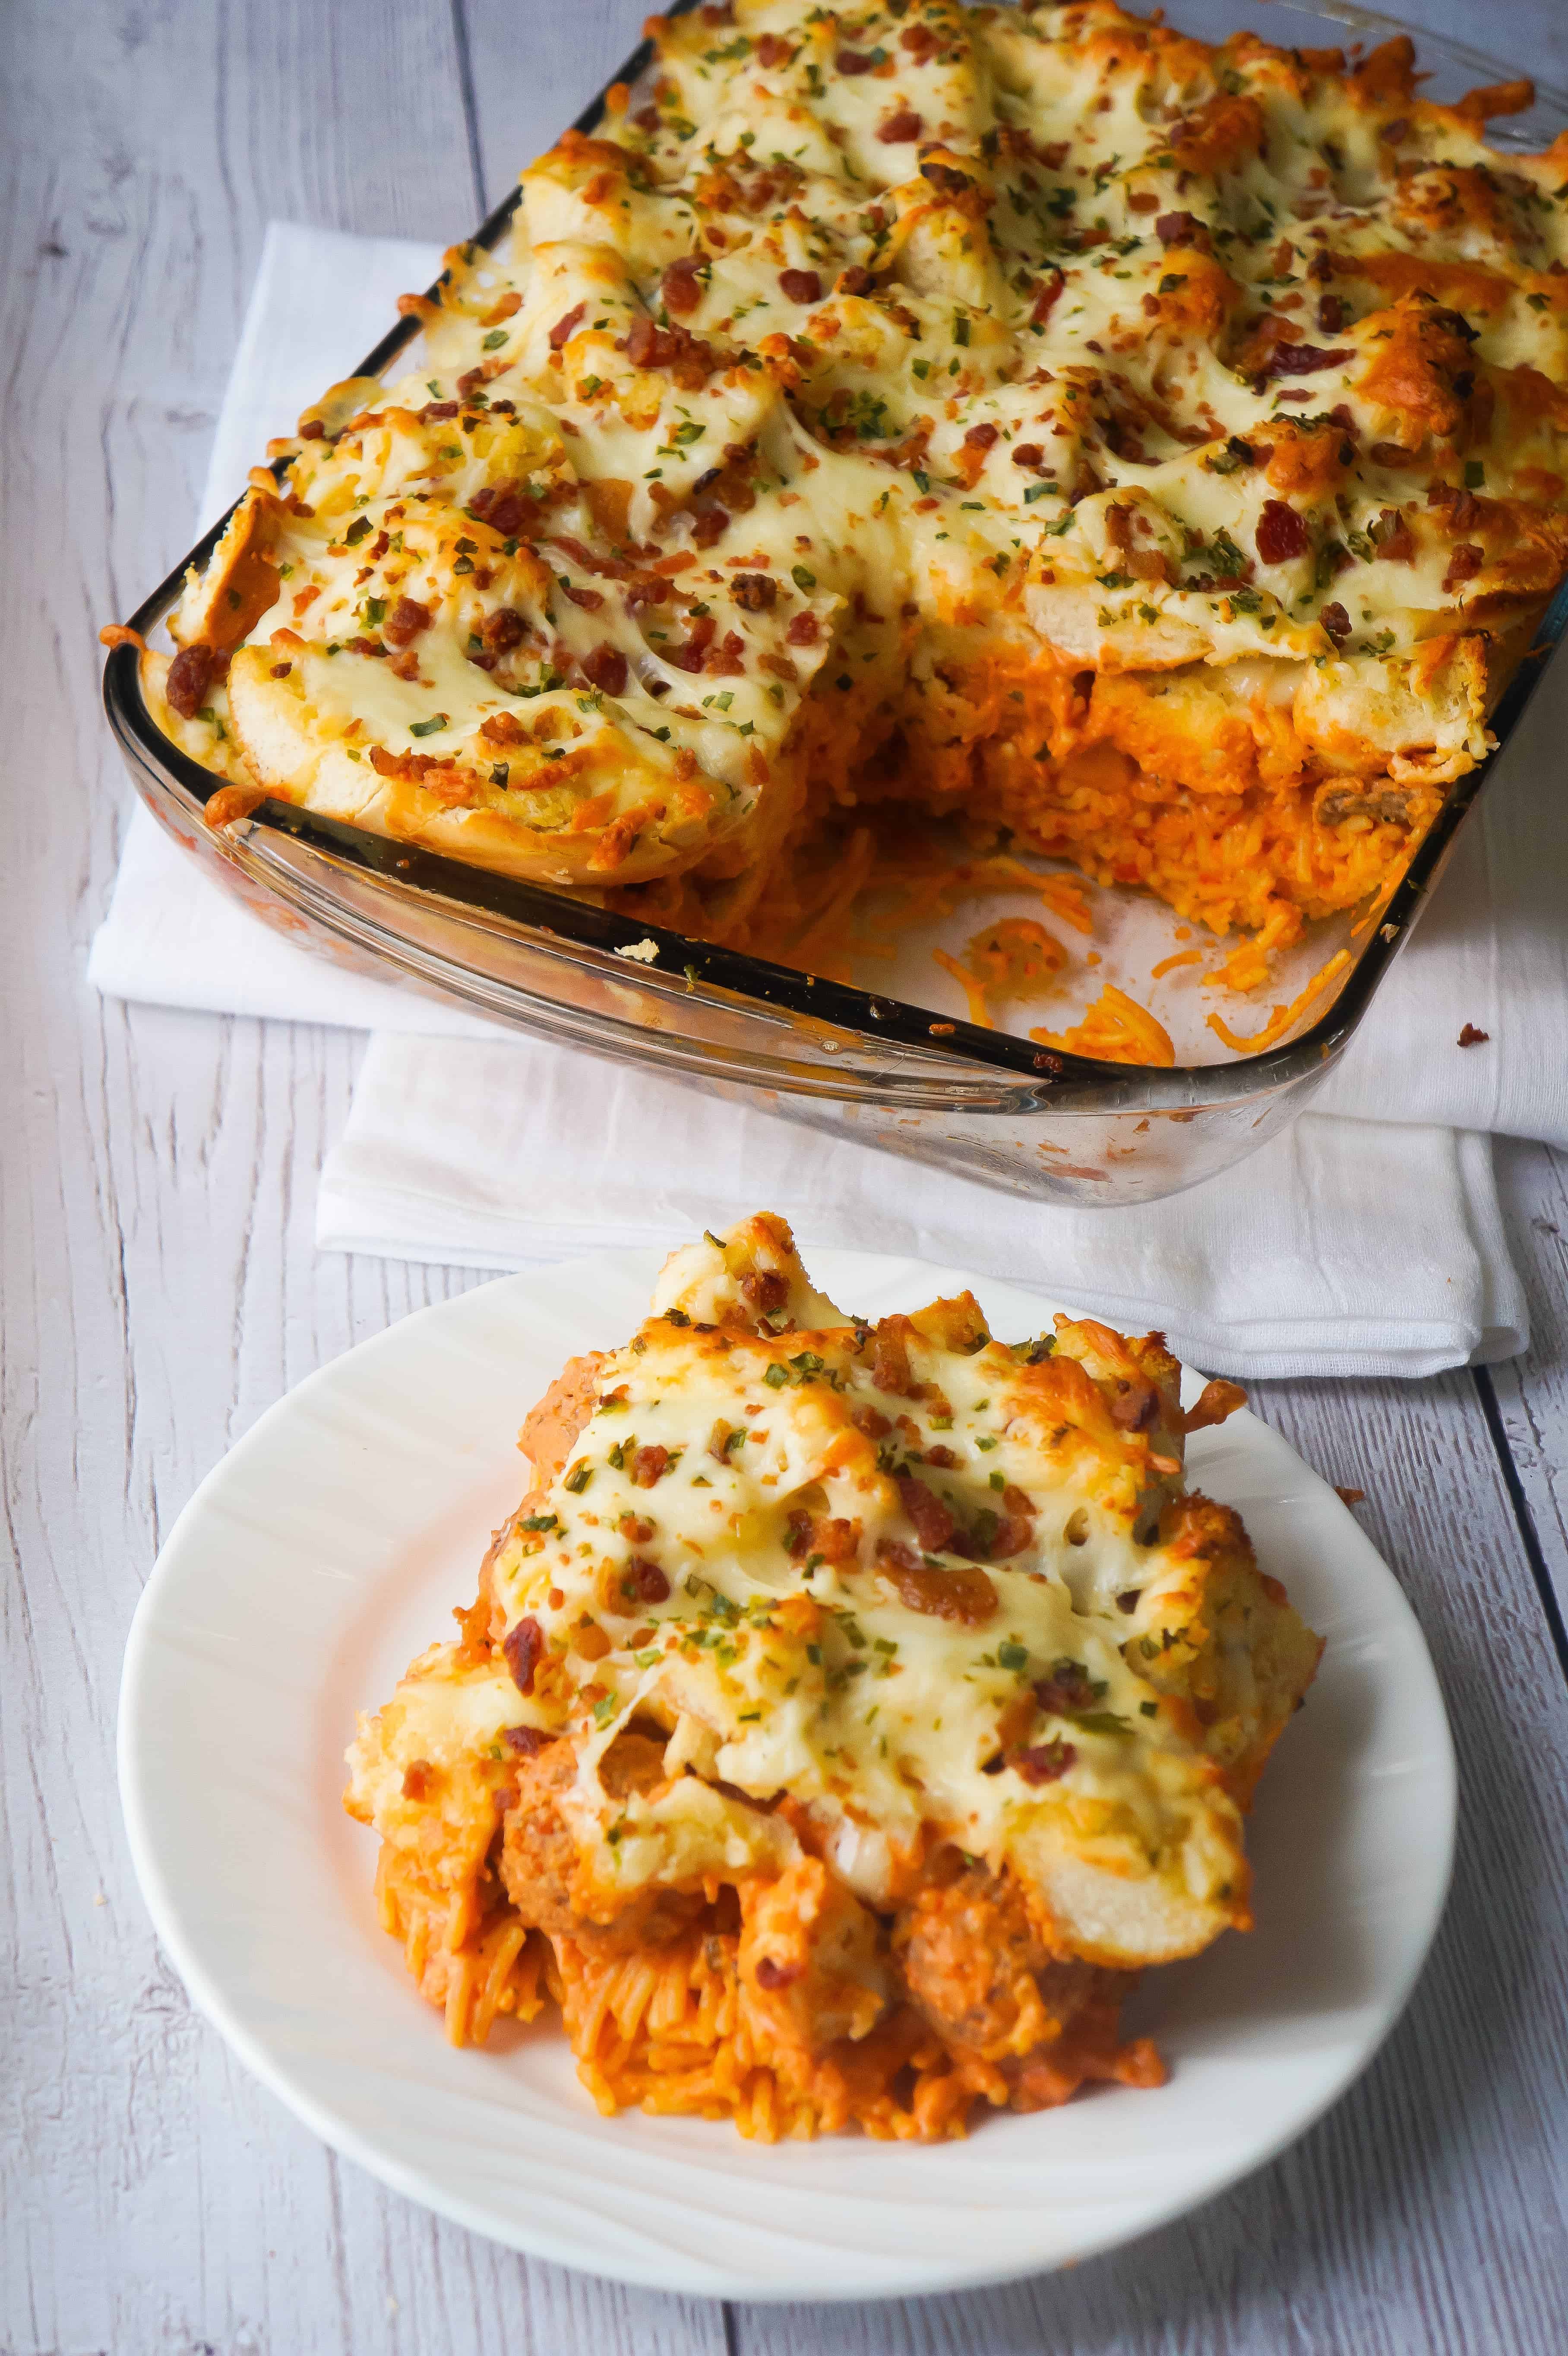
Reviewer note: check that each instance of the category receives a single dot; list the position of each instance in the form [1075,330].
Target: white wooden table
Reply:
[160,1289]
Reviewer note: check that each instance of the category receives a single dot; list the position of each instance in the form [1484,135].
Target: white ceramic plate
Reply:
[332,1543]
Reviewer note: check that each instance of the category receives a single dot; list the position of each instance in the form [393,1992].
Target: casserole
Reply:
[848,1713]
[1031,1114]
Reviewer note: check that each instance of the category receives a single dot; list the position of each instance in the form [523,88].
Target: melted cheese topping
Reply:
[869,351]
[928,1585]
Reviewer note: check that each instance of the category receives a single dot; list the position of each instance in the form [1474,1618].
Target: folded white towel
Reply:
[1367,1242]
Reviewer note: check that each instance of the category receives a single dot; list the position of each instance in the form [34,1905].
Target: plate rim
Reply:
[882,2276]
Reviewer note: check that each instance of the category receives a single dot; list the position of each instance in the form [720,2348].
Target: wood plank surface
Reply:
[159,1288]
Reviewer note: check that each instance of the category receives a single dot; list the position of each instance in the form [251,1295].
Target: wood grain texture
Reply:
[1532,1393]
[158,1289]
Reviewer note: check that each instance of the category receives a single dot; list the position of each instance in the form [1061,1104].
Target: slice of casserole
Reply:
[1153,452]
[848,1711]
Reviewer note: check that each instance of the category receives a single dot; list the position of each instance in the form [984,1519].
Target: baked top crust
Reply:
[1206,402]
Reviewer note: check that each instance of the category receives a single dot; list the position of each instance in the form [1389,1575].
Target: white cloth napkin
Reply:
[1367,1241]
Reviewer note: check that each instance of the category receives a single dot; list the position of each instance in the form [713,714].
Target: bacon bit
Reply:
[1066,1690]
[754,593]
[965,1596]
[772,50]
[419,1777]
[1470,1037]
[856,280]
[1215,1402]
[366,647]
[528,1741]
[692,655]
[606,668]
[920,42]
[891,1367]
[510,304]
[801,286]
[727,659]
[1394,537]
[772,1976]
[1464,563]
[1281,533]
[1043,1762]
[503,629]
[524,1647]
[765,1289]
[1183,229]
[434,411]
[564,326]
[802,630]
[1011,1534]
[904,124]
[189,674]
[982,437]
[406,620]
[855,61]
[1350,1496]
[1298,360]
[933,1521]
[834,1537]
[502,506]
[682,284]
[1333,315]
[311,430]
[1027,454]
[648,1466]
[280,671]
[1336,622]
[869,1421]
[590,600]
[946,178]
[503,728]
[1463,507]
[689,360]
[644,1580]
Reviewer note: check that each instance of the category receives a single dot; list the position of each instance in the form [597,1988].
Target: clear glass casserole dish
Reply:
[877,1065]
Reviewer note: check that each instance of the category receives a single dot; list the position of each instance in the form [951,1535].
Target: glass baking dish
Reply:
[877,1065]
